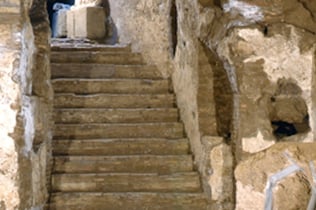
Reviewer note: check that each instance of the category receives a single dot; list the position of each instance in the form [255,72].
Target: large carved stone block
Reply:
[60,26]
[86,22]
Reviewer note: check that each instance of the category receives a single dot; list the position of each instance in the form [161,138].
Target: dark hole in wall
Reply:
[289,113]
[174,27]
[282,129]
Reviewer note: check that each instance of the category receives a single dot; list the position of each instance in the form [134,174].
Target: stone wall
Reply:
[242,70]
[145,24]
[25,103]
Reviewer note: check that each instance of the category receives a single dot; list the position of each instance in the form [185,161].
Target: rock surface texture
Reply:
[118,142]
[25,105]
[244,67]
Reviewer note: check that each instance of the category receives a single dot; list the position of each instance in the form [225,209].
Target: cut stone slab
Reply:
[114,101]
[121,147]
[161,164]
[96,57]
[86,22]
[60,24]
[130,201]
[115,115]
[185,182]
[129,130]
[92,86]
[60,47]
[76,70]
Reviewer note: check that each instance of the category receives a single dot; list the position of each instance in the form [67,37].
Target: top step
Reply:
[90,47]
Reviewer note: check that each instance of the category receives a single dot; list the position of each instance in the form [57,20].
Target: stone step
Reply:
[136,130]
[98,71]
[89,47]
[121,147]
[96,57]
[114,101]
[184,182]
[161,164]
[115,115]
[115,86]
[128,201]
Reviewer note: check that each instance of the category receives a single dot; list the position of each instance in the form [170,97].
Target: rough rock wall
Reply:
[25,120]
[145,24]
[251,65]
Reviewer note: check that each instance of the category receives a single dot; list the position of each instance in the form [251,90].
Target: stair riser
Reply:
[128,201]
[115,116]
[111,86]
[129,164]
[86,131]
[114,101]
[99,57]
[121,147]
[126,183]
[100,71]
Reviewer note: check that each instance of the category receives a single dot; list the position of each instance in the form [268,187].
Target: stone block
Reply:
[86,22]
[59,24]
[290,192]
[217,174]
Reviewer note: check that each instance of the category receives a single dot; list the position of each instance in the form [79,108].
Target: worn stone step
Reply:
[121,147]
[128,201]
[135,130]
[96,57]
[115,115]
[164,164]
[84,70]
[114,101]
[93,86]
[89,47]
[184,182]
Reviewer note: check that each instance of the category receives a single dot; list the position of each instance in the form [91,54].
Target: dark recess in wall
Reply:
[174,27]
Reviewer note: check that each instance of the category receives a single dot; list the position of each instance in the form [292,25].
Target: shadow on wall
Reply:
[173,27]
[223,95]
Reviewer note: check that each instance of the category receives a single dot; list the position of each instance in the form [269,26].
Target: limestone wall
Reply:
[145,24]
[243,67]
[25,102]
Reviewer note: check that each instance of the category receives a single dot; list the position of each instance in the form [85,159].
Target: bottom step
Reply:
[128,201]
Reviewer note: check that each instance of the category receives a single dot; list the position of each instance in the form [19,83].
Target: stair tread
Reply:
[130,201]
[89,47]
[86,70]
[96,57]
[91,86]
[162,164]
[118,182]
[66,100]
[119,130]
[101,115]
[121,147]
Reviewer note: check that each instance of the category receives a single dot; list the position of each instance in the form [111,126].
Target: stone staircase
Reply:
[118,142]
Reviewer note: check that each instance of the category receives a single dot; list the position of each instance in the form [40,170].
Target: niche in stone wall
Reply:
[173,27]
[289,113]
